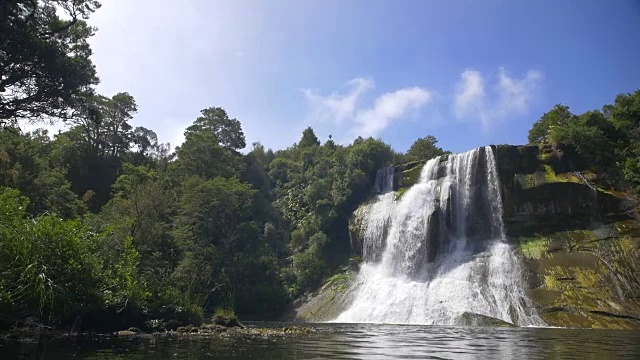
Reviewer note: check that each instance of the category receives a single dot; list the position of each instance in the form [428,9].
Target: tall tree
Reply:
[216,121]
[44,57]
[559,116]
[424,149]
[117,111]
[210,146]
[309,138]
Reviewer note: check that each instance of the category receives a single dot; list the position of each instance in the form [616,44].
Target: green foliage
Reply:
[45,57]
[317,188]
[608,141]
[424,149]
[27,163]
[48,264]
[308,265]
[586,133]
[131,178]
[201,155]
[216,122]
[211,210]
[557,117]
[122,283]
[309,138]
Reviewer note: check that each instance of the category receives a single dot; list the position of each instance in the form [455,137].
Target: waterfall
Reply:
[440,251]
[379,215]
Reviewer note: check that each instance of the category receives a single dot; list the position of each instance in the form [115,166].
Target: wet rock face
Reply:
[548,190]
[325,303]
[473,319]
[586,277]
[580,241]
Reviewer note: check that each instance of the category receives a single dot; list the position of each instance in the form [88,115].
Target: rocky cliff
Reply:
[579,241]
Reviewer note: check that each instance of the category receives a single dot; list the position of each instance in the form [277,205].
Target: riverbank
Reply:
[50,334]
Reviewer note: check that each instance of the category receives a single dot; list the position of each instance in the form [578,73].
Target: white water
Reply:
[440,251]
[379,215]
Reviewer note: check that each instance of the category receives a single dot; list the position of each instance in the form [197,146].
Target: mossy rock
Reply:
[473,319]
[408,177]
[326,303]
[226,318]
[586,278]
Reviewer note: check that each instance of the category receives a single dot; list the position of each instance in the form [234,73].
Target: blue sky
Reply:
[469,72]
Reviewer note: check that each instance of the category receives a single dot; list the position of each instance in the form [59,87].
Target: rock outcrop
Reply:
[324,304]
[580,241]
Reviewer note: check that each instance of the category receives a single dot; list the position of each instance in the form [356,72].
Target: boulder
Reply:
[474,319]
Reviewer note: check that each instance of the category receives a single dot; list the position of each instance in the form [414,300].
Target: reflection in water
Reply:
[351,341]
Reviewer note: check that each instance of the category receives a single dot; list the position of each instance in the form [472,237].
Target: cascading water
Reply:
[379,215]
[440,251]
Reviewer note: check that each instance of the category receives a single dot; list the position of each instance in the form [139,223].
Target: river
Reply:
[347,341]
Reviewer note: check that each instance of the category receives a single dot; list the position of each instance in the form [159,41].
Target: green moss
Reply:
[339,282]
[612,192]
[547,158]
[411,176]
[551,283]
[587,278]
[534,248]
[549,174]
[526,181]
[626,245]
[401,192]
[405,179]
[552,177]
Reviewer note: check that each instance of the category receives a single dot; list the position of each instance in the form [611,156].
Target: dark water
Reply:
[350,341]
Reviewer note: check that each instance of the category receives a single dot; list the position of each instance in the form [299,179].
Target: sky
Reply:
[470,73]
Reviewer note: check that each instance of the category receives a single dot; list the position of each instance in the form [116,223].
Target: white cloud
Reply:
[344,109]
[470,94]
[515,96]
[388,108]
[510,96]
[338,106]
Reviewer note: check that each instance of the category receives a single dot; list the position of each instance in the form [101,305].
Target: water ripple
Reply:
[352,341]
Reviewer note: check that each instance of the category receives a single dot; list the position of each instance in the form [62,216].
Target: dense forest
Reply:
[103,220]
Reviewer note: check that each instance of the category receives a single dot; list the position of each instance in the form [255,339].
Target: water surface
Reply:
[349,341]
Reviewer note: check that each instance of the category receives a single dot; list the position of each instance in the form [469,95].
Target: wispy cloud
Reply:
[346,110]
[509,96]
[388,108]
[470,95]
[339,106]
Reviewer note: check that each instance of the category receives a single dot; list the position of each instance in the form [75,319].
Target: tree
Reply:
[624,113]
[586,133]
[557,117]
[216,121]
[26,163]
[210,147]
[424,149]
[117,112]
[201,155]
[211,210]
[144,139]
[104,123]
[309,138]
[44,57]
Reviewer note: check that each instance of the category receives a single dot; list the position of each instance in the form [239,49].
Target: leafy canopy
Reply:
[44,57]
